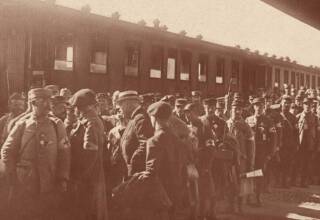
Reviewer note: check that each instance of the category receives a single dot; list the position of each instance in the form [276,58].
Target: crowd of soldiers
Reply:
[126,156]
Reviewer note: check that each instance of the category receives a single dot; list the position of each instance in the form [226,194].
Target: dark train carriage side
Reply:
[76,49]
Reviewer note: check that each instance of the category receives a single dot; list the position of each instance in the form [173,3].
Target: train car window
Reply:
[156,62]
[64,53]
[220,70]
[286,76]
[298,79]
[293,79]
[185,65]
[313,82]
[99,55]
[318,81]
[132,58]
[172,64]
[203,68]
[235,69]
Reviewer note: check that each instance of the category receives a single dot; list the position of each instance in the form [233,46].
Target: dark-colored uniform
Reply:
[133,141]
[307,125]
[87,184]
[288,144]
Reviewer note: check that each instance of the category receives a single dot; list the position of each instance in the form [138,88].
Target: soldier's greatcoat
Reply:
[36,156]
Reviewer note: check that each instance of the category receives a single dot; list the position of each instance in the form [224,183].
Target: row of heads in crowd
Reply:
[83,97]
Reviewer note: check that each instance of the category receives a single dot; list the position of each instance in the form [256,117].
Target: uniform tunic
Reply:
[36,156]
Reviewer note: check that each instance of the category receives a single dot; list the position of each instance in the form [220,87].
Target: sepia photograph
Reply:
[159,109]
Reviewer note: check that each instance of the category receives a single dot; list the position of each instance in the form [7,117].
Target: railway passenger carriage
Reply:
[43,43]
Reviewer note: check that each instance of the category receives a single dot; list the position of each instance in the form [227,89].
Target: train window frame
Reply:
[172,55]
[277,75]
[293,78]
[156,72]
[220,74]
[102,42]
[318,78]
[136,46]
[185,63]
[302,79]
[67,63]
[203,60]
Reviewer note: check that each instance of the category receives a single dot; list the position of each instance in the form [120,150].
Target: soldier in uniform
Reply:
[244,136]
[307,125]
[36,155]
[299,101]
[288,140]
[87,184]
[163,161]
[178,111]
[265,141]
[215,130]
[102,104]
[138,130]
[146,100]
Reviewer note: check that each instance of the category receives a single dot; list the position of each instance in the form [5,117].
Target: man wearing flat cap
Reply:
[246,152]
[138,130]
[87,177]
[265,141]
[36,155]
[307,126]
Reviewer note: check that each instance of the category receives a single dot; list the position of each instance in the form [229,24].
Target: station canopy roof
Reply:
[307,11]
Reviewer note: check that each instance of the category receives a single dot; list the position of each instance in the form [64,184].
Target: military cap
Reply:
[257,101]
[39,93]
[128,95]
[237,103]
[195,93]
[209,101]
[168,98]
[57,99]
[307,100]
[83,98]
[147,98]
[160,110]
[16,96]
[180,102]
[190,107]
